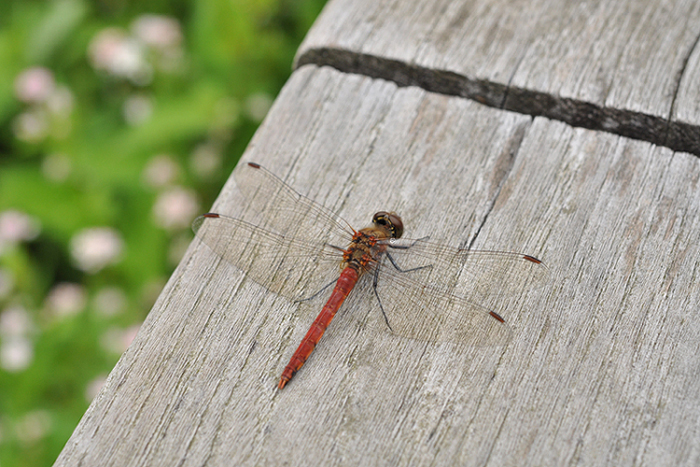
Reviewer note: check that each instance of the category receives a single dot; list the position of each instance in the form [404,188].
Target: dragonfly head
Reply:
[389,221]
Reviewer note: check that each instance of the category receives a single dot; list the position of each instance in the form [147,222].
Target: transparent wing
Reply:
[285,241]
[447,294]
[286,265]
[274,205]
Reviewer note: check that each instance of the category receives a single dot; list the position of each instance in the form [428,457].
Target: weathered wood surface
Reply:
[603,366]
[629,67]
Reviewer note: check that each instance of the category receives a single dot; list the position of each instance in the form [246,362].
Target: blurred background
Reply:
[119,123]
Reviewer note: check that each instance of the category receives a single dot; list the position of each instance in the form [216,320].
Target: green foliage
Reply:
[101,174]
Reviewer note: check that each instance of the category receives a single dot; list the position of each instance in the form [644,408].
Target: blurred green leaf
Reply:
[61,19]
[87,168]
[181,119]
[61,207]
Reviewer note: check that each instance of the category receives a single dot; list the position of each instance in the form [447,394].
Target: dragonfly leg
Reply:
[317,293]
[396,266]
[375,281]
[406,247]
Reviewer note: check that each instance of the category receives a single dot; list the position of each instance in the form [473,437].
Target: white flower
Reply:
[93,249]
[160,171]
[66,299]
[175,208]
[15,322]
[35,85]
[16,226]
[49,107]
[160,32]
[16,353]
[111,50]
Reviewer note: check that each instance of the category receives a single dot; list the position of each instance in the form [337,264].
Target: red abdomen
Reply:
[346,281]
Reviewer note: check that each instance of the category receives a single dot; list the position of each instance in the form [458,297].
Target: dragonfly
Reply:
[424,290]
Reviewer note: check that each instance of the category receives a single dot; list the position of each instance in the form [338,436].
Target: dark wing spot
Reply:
[496,316]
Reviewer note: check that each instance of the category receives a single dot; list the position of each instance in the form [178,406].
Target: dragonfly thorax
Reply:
[364,249]
[367,245]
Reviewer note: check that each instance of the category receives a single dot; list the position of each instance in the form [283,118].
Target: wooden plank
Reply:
[626,67]
[602,366]
[611,369]
[686,108]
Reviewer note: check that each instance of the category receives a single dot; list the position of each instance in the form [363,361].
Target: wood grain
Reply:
[627,67]
[602,368]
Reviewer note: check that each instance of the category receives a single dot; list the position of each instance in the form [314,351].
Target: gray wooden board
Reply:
[604,364]
[629,67]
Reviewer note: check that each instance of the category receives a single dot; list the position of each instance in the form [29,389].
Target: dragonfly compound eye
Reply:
[390,220]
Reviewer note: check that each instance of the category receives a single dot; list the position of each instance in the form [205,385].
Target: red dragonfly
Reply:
[430,291]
